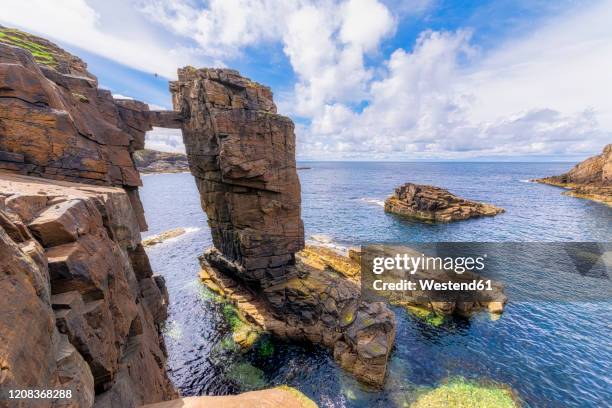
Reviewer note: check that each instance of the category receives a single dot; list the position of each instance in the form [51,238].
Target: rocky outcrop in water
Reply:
[81,309]
[590,179]
[434,204]
[242,154]
[153,161]
[162,237]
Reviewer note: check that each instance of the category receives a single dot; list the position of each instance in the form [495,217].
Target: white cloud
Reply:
[165,140]
[117,33]
[364,23]
[119,96]
[224,27]
[326,46]
[546,92]
[563,65]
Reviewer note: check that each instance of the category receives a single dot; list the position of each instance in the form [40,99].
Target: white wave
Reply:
[191,229]
[526,181]
[374,201]
[321,238]
[328,242]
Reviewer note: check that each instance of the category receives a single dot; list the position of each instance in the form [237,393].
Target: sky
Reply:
[524,80]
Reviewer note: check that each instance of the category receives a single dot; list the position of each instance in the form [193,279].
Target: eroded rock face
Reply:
[56,123]
[434,204]
[591,179]
[81,308]
[242,154]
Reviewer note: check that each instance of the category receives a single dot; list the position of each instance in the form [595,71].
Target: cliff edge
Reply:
[81,308]
[590,179]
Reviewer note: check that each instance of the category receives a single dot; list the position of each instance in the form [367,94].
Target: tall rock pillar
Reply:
[242,154]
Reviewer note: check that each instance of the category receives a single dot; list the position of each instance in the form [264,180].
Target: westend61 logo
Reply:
[487,272]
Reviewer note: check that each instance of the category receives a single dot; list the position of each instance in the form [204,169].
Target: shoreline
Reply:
[583,191]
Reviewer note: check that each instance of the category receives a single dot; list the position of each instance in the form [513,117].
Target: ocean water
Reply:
[552,354]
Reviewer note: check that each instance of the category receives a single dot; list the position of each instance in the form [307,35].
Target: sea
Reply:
[549,353]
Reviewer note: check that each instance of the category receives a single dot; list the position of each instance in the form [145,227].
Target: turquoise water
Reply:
[550,353]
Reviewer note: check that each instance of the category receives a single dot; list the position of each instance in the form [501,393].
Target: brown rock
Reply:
[282,396]
[242,154]
[164,236]
[243,157]
[84,312]
[57,123]
[434,204]
[590,179]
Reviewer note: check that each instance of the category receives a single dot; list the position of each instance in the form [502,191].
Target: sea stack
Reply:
[242,154]
[435,204]
[590,179]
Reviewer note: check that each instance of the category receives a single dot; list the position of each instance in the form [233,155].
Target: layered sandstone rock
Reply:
[242,154]
[56,123]
[434,204]
[153,161]
[591,179]
[81,306]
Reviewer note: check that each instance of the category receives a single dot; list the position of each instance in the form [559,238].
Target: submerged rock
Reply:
[435,204]
[590,179]
[462,393]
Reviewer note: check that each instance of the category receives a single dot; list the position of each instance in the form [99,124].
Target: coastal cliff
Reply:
[590,179]
[242,154]
[434,204]
[81,308]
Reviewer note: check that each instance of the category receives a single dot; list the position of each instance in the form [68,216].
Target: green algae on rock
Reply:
[461,393]
[246,375]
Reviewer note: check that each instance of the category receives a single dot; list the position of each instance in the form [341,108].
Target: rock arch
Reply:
[242,154]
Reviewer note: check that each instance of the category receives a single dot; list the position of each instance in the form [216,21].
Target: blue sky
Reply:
[367,79]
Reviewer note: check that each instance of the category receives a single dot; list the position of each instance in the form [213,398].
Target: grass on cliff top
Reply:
[461,393]
[41,54]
